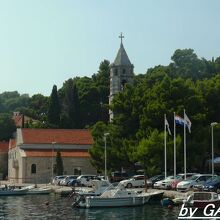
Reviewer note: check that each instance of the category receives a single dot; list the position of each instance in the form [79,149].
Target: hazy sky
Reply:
[45,42]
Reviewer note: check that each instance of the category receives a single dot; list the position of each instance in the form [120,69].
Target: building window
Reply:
[33,168]
[123,71]
[116,72]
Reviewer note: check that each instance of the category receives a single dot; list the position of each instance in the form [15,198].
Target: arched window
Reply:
[33,168]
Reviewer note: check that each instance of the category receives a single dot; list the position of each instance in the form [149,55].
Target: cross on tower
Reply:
[121,36]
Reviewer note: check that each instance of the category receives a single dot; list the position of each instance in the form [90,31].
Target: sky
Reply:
[45,42]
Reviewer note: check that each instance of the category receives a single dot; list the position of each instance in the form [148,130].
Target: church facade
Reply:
[121,72]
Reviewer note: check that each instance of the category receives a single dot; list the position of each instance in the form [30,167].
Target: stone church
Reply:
[32,154]
[121,72]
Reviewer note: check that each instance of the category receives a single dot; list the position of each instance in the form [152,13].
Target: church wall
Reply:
[15,171]
[44,172]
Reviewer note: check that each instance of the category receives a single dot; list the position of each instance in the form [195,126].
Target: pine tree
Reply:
[59,164]
[54,108]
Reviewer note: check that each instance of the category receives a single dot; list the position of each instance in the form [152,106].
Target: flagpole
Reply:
[184,145]
[165,148]
[174,147]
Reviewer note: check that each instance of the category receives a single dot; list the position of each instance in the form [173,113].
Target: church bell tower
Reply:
[121,72]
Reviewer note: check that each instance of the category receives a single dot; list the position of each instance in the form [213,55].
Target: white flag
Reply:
[188,122]
[167,126]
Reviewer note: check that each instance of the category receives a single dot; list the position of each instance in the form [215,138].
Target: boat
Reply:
[7,191]
[202,199]
[98,187]
[39,191]
[117,197]
[32,189]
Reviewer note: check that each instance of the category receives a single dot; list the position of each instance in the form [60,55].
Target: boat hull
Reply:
[91,202]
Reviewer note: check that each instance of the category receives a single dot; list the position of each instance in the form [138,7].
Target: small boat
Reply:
[39,191]
[12,191]
[202,199]
[33,189]
[118,197]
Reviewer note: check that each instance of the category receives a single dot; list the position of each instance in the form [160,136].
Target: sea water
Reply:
[56,207]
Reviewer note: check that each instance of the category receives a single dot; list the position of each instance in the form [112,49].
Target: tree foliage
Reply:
[54,108]
[7,127]
[187,83]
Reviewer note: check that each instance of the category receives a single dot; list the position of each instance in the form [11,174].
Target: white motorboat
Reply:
[12,191]
[118,197]
[32,189]
[39,191]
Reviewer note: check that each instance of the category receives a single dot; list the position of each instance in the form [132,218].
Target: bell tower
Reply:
[121,72]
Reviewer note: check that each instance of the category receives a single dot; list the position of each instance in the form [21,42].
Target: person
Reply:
[72,193]
[6,186]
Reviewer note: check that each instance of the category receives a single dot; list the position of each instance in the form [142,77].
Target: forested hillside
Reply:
[79,103]
[137,132]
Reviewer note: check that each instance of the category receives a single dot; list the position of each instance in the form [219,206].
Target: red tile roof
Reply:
[46,153]
[4,146]
[60,136]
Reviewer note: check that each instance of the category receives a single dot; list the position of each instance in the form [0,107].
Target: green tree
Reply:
[54,108]
[70,117]
[102,82]
[188,65]
[150,152]
[7,126]
[39,105]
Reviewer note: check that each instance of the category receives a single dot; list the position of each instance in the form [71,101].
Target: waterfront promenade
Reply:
[65,191]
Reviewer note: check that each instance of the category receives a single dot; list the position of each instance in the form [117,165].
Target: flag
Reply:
[179,120]
[167,126]
[188,122]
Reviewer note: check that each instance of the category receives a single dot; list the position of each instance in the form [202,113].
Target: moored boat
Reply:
[33,189]
[202,199]
[39,191]
[12,191]
[118,197]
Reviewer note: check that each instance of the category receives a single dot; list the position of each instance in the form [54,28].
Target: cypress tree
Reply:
[59,164]
[54,108]
[70,117]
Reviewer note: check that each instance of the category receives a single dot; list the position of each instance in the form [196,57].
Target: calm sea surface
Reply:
[35,207]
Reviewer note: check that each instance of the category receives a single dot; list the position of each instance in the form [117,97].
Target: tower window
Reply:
[123,71]
[116,72]
[123,84]
[33,168]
